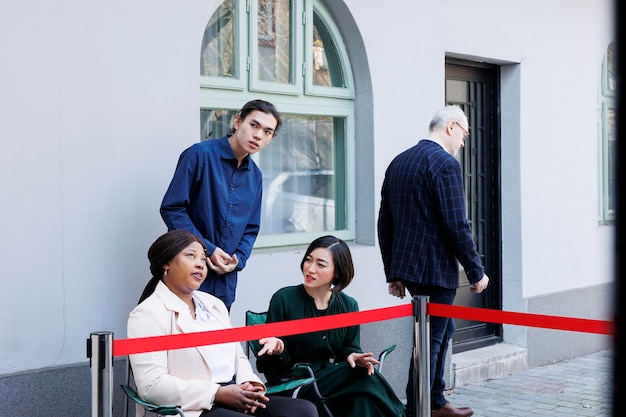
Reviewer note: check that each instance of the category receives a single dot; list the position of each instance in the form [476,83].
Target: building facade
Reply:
[99,99]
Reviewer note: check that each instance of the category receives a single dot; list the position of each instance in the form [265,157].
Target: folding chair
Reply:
[300,374]
[297,376]
[157,410]
[383,355]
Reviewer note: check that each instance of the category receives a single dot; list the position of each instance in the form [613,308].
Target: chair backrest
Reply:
[383,355]
[160,410]
[253,318]
[131,394]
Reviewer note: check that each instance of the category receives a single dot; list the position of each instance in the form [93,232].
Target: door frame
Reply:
[482,153]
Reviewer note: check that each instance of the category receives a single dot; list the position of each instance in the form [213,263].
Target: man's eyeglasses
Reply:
[467,135]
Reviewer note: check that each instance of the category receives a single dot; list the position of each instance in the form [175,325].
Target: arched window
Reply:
[288,52]
[607,140]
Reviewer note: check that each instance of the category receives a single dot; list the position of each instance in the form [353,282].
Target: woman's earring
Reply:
[165,273]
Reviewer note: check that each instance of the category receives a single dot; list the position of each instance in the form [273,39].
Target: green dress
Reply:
[349,392]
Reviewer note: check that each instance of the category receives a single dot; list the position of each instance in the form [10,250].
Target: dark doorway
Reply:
[475,87]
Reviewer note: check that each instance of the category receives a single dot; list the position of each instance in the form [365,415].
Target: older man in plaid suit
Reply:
[424,233]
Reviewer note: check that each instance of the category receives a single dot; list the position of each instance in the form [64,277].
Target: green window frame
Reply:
[270,49]
[607,139]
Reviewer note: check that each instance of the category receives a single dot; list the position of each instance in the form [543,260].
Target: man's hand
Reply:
[480,286]
[271,346]
[221,262]
[396,288]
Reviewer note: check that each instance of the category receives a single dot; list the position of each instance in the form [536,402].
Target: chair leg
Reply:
[321,400]
[127,383]
[327,410]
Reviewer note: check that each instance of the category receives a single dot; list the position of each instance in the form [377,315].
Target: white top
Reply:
[221,356]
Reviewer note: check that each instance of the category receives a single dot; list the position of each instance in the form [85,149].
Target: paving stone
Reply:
[578,387]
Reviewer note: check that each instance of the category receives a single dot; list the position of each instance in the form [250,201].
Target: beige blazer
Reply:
[181,376]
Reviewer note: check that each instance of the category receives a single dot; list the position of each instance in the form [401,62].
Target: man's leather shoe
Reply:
[449,411]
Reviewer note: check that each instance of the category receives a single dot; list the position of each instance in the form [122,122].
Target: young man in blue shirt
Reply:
[216,194]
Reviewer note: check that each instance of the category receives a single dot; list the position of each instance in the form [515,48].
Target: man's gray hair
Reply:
[444,115]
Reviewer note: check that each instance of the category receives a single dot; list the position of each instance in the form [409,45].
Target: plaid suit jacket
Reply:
[423,229]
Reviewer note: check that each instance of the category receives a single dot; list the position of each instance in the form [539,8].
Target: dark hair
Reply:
[163,250]
[342,258]
[262,106]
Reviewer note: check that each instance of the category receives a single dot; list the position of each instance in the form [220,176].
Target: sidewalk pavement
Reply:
[573,387]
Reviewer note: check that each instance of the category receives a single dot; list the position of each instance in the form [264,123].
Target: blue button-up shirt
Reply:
[213,198]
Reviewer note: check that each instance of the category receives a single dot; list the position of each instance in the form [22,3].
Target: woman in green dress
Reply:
[346,376]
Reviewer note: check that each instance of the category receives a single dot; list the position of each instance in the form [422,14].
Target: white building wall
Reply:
[99,98]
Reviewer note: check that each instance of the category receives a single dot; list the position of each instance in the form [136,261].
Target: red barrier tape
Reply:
[524,319]
[123,347]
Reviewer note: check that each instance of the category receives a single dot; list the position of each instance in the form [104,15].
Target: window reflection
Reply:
[327,70]
[611,158]
[215,124]
[299,201]
[274,40]
[607,137]
[320,63]
[217,57]
[611,84]
[298,171]
[299,182]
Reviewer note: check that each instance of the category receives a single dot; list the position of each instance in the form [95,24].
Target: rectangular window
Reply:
[274,41]
[274,58]
[300,181]
[304,189]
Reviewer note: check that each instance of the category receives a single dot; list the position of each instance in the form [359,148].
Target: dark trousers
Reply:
[441,331]
[276,407]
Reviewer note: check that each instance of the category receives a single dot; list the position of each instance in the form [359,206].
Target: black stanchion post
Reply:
[421,356]
[100,354]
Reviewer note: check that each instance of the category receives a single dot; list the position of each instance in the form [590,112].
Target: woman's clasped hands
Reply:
[245,397]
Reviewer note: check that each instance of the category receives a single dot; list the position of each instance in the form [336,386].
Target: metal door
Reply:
[475,87]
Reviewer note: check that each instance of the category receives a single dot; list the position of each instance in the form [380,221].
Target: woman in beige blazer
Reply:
[207,381]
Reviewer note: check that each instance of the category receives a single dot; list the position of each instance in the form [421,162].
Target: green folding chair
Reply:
[300,374]
[383,355]
[159,410]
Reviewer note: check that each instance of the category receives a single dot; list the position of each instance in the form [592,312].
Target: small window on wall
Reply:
[221,56]
[607,142]
[288,52]
[326,74]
